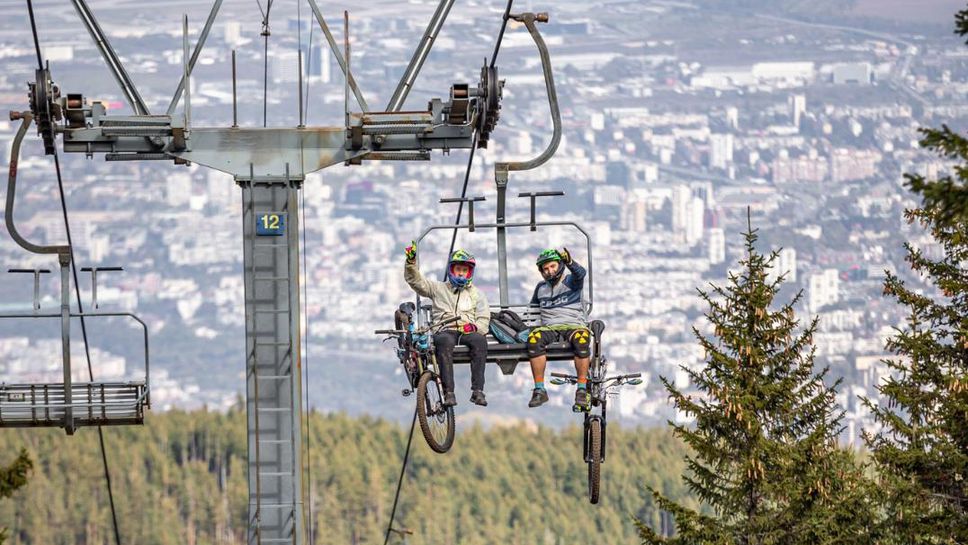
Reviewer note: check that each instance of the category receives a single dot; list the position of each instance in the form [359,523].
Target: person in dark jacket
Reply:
[561,310]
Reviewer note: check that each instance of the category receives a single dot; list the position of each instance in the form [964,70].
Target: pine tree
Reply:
[12,478]
[766,465]
[946,197]
[921,448]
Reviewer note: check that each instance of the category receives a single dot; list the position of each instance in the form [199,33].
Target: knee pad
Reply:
[581,342]
[536,345]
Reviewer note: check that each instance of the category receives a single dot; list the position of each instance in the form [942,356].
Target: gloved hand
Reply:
[469,328]
[411,252]
[565,255]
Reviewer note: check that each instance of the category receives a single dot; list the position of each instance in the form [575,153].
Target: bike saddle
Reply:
[597,327]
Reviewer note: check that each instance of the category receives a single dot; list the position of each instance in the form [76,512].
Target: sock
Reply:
[582,383]
[539,385]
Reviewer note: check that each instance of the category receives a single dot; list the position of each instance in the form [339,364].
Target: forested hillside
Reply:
[181,480]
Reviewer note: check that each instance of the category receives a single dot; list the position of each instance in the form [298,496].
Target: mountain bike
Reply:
[415,350]
[599,387]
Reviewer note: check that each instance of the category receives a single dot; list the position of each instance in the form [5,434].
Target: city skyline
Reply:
[669,137]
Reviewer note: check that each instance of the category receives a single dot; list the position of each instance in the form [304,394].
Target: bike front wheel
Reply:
[436,419]
[595,459]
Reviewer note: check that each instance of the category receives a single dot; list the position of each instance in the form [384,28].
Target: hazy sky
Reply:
[919,10]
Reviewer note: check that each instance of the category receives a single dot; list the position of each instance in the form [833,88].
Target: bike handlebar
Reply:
[442,323]
[617,378]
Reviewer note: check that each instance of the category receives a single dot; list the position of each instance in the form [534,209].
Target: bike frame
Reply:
[422,356]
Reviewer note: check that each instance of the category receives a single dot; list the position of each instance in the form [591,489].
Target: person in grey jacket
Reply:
[459,297]
[562,319]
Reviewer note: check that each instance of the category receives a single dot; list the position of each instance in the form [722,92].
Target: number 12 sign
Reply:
[272,225]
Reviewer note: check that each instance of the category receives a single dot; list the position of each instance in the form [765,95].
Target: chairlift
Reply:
[508,356]
[67,404]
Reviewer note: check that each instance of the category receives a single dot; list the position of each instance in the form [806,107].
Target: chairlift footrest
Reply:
[89,403]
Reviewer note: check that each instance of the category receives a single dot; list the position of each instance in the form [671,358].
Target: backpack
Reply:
[508,328]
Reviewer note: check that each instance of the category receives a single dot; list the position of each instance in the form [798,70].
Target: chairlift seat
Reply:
[507,356]
[91,404]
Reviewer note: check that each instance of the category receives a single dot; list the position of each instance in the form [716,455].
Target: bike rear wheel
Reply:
[436,420]
[595,457]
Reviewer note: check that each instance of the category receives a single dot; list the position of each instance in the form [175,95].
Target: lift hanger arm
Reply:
[26,118]
[529,20]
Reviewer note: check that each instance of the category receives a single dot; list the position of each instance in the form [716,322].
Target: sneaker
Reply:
[539,396]
[449,399]
[583,401]
[477,398]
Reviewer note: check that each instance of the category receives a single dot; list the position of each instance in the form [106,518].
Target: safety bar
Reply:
[36,273]
[533,195]
[144,328]
[503,286]
[94,271]
[470,207]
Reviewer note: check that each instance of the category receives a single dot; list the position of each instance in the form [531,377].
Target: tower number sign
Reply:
[272,225]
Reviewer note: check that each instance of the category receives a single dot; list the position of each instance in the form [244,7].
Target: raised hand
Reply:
[411,252]
[565,255]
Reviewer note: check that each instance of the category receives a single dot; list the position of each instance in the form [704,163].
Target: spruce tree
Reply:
[946,197]
[766,464]
[12,478]
[921,448]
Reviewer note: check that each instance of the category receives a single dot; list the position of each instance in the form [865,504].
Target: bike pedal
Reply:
[406,393]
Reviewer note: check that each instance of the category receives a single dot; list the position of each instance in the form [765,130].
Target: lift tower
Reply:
[270,166]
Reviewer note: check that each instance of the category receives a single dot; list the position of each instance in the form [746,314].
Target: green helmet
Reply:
[547,255]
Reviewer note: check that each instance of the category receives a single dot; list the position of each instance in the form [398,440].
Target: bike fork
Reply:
[586,443]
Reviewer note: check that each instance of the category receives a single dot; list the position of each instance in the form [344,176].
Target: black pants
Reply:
[444,343]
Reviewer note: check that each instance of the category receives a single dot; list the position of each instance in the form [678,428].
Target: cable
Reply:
[403,469]
[87,352]
[500,36]
[33,28]
[77,293]
[463,193]
[308,442]
[470,159]
[453,240]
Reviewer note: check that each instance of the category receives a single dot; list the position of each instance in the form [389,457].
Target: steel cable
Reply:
[77,293]
[453,240]
[403,470]
[308,445]
[470,159]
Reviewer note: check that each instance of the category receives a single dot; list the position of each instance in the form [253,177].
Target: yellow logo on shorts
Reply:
[533,337]
[581,336]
